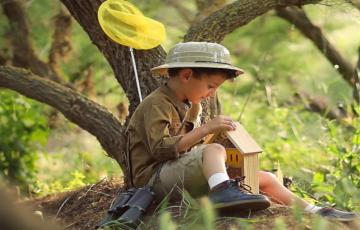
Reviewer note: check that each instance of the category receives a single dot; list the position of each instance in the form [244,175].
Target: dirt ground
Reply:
[84,208]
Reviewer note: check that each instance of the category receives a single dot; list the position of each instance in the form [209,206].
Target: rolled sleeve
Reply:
[161,144]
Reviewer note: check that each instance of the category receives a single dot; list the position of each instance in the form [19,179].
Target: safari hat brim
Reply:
[162,70]
[197,55]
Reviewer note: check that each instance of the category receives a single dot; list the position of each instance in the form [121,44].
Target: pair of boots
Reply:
[233,195]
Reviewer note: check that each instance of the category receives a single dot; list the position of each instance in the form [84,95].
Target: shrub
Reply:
[22,129]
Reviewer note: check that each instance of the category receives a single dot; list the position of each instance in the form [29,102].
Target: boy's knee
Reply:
[267,178]
[215,148]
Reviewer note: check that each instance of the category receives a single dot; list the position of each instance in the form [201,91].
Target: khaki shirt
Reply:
[155,128]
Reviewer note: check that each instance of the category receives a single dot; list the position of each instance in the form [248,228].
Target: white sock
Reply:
[217,178]
[312,208]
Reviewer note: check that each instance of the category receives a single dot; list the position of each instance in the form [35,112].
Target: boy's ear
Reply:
[186,74]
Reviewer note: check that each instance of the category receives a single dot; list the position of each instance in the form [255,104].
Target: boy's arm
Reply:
[191,138]
[217,124]
[156,132]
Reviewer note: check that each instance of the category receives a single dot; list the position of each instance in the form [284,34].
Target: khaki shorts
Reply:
[184,173]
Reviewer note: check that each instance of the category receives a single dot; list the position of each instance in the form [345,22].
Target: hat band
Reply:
[198,59]
[224,63]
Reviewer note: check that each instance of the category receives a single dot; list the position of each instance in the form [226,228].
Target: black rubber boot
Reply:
[233,195]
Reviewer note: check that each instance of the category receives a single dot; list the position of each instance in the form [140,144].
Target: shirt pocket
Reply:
[174,128]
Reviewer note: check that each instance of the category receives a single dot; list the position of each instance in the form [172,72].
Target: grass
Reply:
[200,214]
[72,160]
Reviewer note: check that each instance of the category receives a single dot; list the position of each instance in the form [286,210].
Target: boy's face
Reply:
[203,86]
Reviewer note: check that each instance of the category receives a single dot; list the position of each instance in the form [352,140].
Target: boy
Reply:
[165,134]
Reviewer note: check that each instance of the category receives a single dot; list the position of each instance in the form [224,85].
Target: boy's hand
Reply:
[219,123]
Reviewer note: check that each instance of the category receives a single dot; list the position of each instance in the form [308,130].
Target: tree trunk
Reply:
[118,56]
[96,119]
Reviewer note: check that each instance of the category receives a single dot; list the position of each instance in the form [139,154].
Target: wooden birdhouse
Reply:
[242,154]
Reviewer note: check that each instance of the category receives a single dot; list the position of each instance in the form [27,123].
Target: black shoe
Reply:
[334,214]
[233,195]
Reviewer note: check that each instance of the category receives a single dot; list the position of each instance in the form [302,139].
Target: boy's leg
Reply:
[214,158]
[278,193]
[180,174]
[195,169]
[226,194]
[204,165]
[270,186]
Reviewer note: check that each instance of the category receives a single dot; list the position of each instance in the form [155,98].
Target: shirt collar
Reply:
[181,107]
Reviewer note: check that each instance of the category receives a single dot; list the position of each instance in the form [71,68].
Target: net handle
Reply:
[135,72]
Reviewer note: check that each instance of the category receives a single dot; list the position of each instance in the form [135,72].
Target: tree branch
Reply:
[356,91]
[321,106]
[202,4]
[87,114]
[3,59]
[22,48]
[85,12]
[299,18]
[207,7]
[217,25]
[61,45]
[355,3]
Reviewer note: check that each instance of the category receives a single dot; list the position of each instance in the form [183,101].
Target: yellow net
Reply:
[126,25]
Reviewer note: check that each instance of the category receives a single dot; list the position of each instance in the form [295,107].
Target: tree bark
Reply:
[61,44]
[224,21]
[118,56]
[355,3]
[207,7]
[321,106]
[3,59]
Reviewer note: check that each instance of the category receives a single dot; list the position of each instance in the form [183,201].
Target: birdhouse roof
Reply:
[240,138]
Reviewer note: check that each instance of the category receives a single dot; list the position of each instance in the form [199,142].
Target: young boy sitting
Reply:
[165,136]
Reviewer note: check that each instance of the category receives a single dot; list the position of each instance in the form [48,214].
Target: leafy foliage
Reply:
[80,169]
[342,177]
[23,129]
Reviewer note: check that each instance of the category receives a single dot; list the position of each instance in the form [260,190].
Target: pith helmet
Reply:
[197,54]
